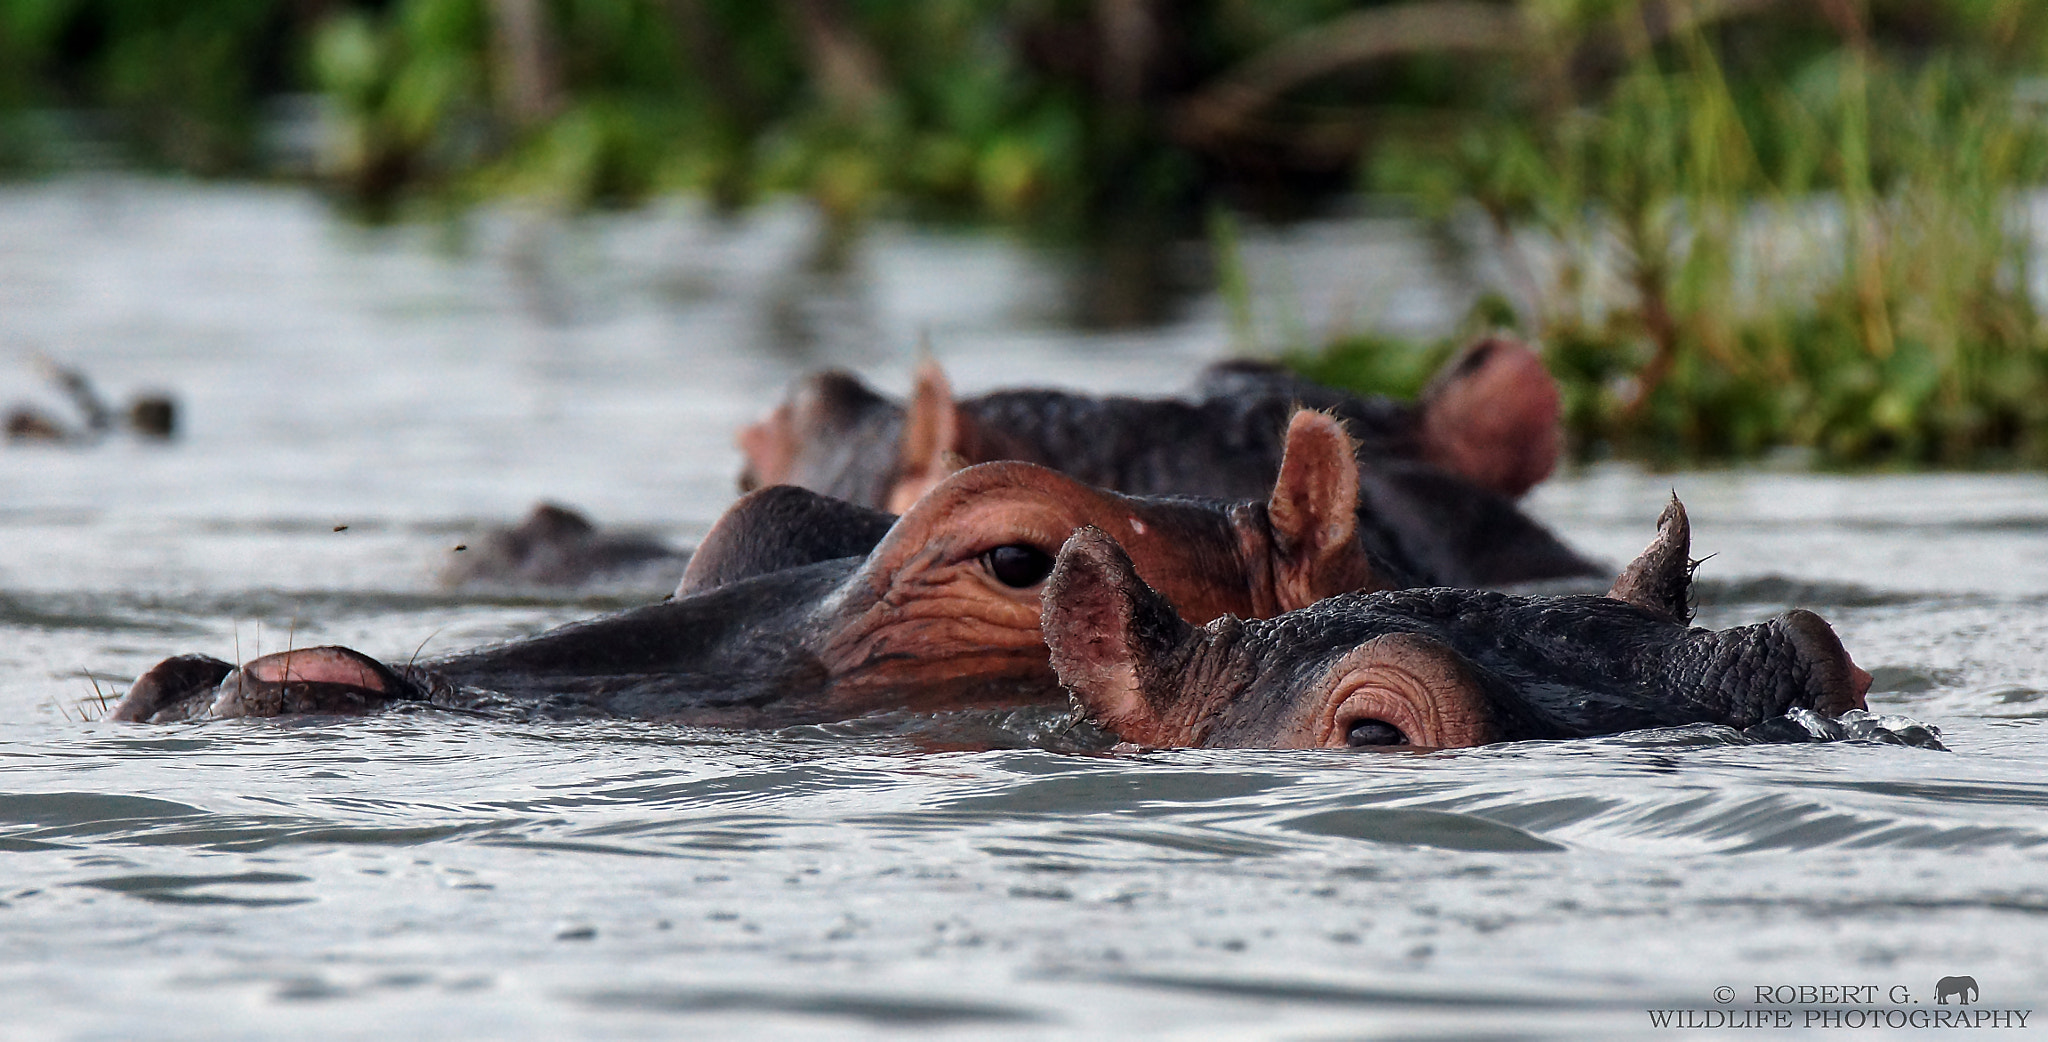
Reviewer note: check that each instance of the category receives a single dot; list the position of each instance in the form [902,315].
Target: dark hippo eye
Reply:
[1374,732]
[1018,566]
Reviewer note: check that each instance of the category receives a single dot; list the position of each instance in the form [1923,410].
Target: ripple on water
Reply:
[1426,828]
[201,889]
[899,1012]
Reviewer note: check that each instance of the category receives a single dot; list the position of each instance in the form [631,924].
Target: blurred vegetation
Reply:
[1734,246]
[1738,225]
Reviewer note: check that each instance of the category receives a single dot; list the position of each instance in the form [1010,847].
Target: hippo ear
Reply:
[820,410]
[934,431]
[1314,514]
[1491,417]
[1659,580]
[1110,636]
[769,447]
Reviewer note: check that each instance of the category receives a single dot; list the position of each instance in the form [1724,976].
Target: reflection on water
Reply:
[994,875]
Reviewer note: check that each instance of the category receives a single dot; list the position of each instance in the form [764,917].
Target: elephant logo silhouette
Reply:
[1963,988]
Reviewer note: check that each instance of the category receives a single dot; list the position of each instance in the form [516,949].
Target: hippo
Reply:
[151,415]
[1490,417]
[771,627]
[1436,478]
[1430,668]
[554,545]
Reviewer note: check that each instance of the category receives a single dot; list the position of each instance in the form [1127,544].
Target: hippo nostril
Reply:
[1475,359]
[1373,732]
[1018,566]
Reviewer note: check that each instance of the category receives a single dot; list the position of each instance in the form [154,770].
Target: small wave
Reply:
[1856,725]
[199,889]
[1802,593]
[1352,995]
[1422,828]
[873,1010]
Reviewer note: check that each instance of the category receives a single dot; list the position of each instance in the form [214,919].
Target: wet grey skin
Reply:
[713,654]
[1515,667]
[717,658]
[1225,442]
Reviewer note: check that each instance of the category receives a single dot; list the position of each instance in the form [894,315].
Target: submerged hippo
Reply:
[1433,668]
[150,415]
[1490,417]
[942,614]
[1435,477]
[556,546]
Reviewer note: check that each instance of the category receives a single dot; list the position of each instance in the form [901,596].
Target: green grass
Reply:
[1837,260]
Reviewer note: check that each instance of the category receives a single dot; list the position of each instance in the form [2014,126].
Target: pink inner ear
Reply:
[318,666]
[1315,500]
[766,445]
[932,427]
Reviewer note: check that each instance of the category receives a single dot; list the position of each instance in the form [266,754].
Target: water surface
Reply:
[360,402]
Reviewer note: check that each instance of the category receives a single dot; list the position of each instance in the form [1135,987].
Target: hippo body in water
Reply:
[556,546]
[942,614]
[1436,477]
[152,416]
[1431,668]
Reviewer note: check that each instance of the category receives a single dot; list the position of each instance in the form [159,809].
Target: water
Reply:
[425,876]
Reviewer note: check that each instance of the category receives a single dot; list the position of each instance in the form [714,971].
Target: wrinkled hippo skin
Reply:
[1493,405]
[943,612]
[1433,667]
[1491,418]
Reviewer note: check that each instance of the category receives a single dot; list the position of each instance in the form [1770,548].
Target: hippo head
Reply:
[1429,668]
[953,590]
[818,438]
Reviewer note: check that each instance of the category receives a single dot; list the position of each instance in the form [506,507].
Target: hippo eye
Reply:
[1017,566]
[1374,732]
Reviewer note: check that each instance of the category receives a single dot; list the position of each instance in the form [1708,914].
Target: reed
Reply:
[1842,260]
